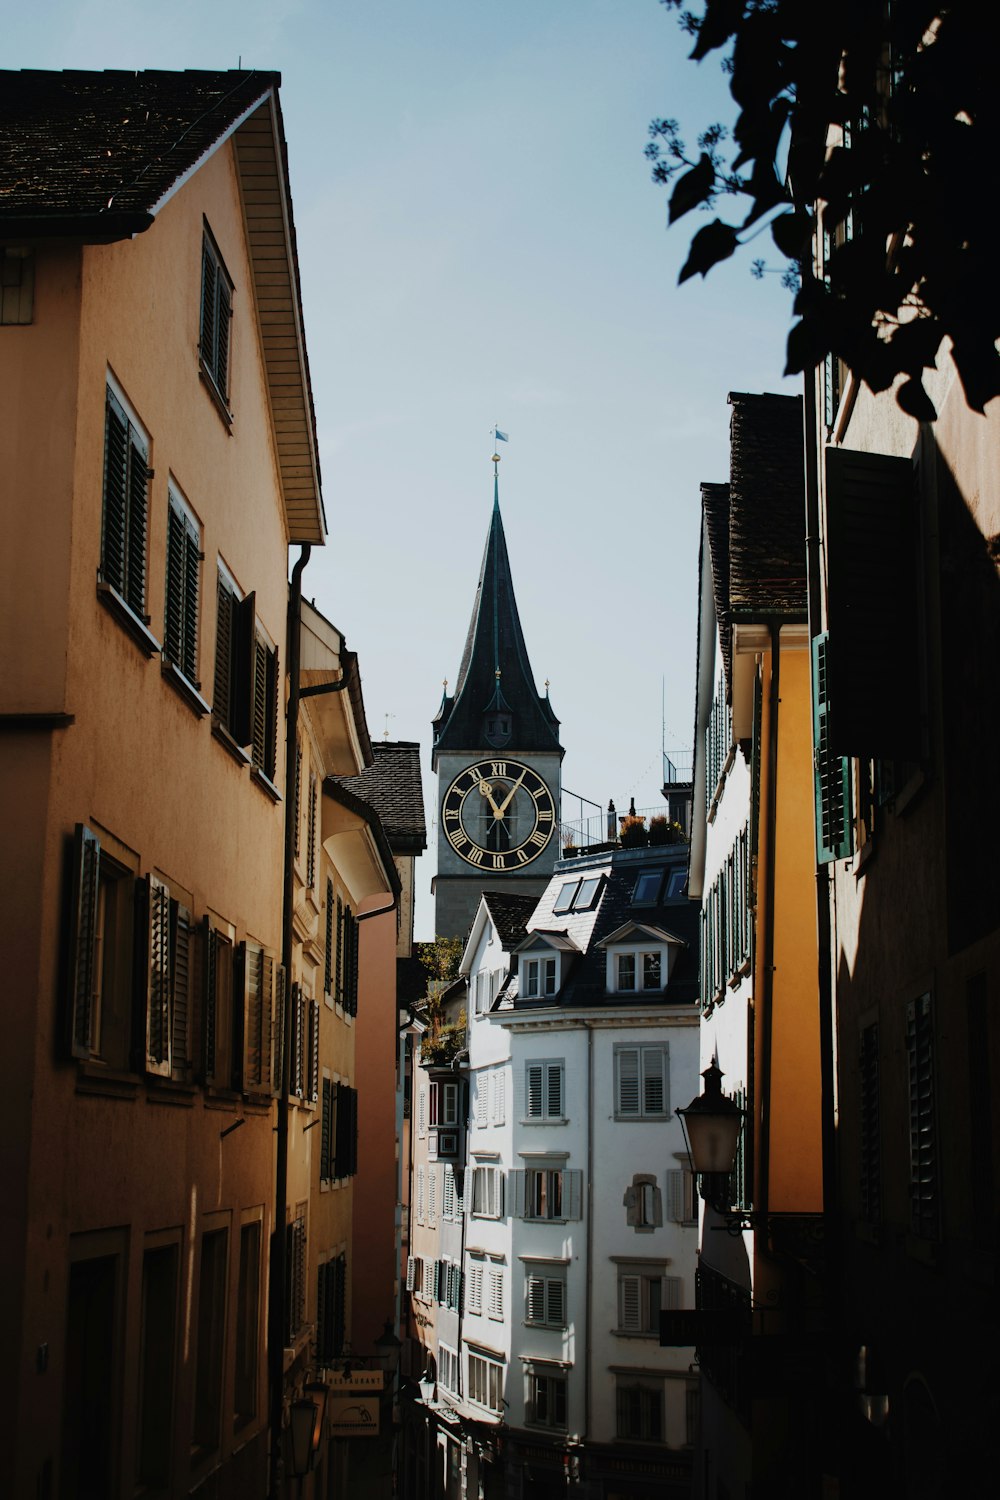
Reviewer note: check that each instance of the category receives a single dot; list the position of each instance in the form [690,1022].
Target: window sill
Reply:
[170,1091]
[218,399]
[185,689]
[95,1078]
[637,1333]
[265,783]
[225,739]
[128,619]
[545,1120]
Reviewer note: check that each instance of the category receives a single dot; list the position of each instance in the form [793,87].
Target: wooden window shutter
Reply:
[536,1299]
[271,738]
[211,1005]
[84,978]
[268,964]
[872,530]
[339,970]
[242,656]
[573,1193]
[518,1190]
[555,1311]
[183,969]
[312,1092]
[224,317]
[534,1109]
[630,1302]
[553,1089]
[654,1080]
[278,1030]
[258,728]
[297,1079]
[173,610]
[311,834]
[324,1320]
[354,1131]
[253,1061]
[223,688]
[192,579]
[627,1059]
[297,811]
[114,530]
[209,282]
[241,967]
[832,772]
[326,1133]
[136,524]
[412,1265]
[158,977]
[328,958]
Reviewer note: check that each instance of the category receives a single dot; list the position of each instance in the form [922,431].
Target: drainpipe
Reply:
[276,1289]
[590,1231]
[763,1177]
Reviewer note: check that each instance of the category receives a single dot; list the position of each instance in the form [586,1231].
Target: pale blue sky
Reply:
[480,242]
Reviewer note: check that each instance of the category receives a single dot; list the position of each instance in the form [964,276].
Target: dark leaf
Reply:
[807,345]
[914,400]
[978,367]
[717,25]
[691,189]
[914,345]
[715,242]
[790,233]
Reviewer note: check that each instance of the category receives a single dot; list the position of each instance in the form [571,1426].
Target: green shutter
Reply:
[834,813]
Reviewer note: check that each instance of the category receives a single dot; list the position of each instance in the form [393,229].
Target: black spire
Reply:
[495,702]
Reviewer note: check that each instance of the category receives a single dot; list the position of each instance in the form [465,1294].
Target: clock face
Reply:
[498,815]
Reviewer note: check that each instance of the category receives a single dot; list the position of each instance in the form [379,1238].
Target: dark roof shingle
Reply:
[392,786]
[767,550]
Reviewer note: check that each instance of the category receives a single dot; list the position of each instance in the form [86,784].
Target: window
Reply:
[641,1075]
[496,1292]
[247,1325]
[543,1090]
[647,888]
[644,1202]
[540,977]
[639,971]
[102,943]
[216,315]
[924,1204]
[448,1369]
[545,1295]
[682,1197]
[643,1293]
[295,1274]
[485,1385]
[211,1337]
[347,961]
[578,895]
[234,659]
[474,1286]
[17,285]
[565,898]
[545,1397]
[157,1363]
[126,505]
[265,979]
[487,1193]
[444,1104]
[639,1408]
[183,583]
[331,1301]
[548,1190]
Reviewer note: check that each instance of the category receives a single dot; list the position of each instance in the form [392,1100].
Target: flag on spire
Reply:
[501,437]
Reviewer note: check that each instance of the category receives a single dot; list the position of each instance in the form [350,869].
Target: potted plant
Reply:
[659,830]
[632,832]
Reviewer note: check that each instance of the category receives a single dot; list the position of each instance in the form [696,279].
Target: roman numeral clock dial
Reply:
[498,815]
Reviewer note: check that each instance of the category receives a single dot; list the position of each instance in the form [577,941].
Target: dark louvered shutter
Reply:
[254,1029]
[83,934]
[353,980]
[324,1319]
[138,507]
[192,575]
[259,722]
[339,1304]
[209,280]
[173,610]
[210,1007]
[354,1132]
[158,978]
[328,956]
[297,1083]
[297,813]
[226,603]
[271,733]
[116,447]
[241,691]
[182,978]
[239,1018]
[223,317]
[832,772]
[312,1088]
[326,1133]
[339,973]
[278,1030]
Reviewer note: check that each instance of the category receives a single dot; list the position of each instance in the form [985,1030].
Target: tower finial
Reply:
[498,437]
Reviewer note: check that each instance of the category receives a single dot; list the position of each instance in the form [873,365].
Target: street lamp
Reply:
[712,1123]
[305,1428]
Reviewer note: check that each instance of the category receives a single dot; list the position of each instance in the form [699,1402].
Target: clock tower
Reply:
[497,756]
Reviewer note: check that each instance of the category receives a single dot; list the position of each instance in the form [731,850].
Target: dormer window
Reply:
[640,971]
[639,959]
[578,895]
[541,977]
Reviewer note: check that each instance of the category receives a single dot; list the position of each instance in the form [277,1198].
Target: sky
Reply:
[480,243]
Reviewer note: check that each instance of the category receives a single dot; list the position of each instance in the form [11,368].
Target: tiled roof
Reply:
[509,912]
[97,146]
[715,507]
[495,644]
[587,975]
[767,551]
[392,786]
[411,980]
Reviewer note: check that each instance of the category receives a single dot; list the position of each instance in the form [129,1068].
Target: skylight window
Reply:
[565,898]
[587,895]
[647,888]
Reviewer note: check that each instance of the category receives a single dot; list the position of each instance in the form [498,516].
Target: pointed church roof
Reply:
[495,676]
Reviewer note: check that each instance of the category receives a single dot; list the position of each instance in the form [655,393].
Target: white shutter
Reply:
[534,1100]
[421,1110]
[412,1264]
[420,1195]
[501,1099]
[429,1278]
[432,1195]
[536,1299]
[555,1312]
[448,1196]
[553,1101]
[627,1059]
[474,1292]
[673,1293]
[481,1098]
[630,1302]
[675,1196]
[496,1294]
[516,1180]
[654,1082]
[573,1194]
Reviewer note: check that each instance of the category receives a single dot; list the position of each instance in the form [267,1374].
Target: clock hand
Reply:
[499,811]
[486,790]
